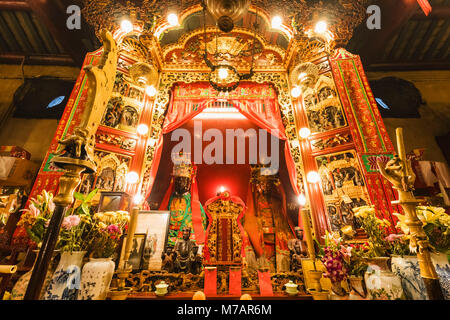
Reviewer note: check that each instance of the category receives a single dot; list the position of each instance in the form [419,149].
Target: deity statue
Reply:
[181,200]
[195,261]
[266,223]
[298,249]
[184,249]
[168,260]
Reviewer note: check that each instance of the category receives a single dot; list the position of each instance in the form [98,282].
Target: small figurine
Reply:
[183,249]
[168,259]
[298,249]
[195,261]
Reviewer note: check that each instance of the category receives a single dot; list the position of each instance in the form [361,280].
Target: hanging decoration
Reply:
[224,77]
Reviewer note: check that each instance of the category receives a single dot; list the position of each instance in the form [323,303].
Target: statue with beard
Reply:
[266,223]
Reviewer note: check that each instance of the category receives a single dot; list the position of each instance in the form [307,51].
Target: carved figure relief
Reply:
[111,171]
[343,187]
[322,105]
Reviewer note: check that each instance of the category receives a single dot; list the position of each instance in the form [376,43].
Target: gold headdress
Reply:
[182,166]
[263,172]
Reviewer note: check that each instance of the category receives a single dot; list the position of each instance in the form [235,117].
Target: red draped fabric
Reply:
[257,102]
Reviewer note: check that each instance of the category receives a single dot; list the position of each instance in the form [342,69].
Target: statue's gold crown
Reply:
[263,172]
[182,166]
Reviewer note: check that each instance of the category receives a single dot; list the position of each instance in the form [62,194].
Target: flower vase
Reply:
[96,278]
[21,285]
[337,292]
[65,283]
[407,269]
[381,282]
[442,267]
[358,288]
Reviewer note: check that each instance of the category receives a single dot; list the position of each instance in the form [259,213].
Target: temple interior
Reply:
[224,150]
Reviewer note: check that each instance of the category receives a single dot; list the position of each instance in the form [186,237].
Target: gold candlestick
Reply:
[308,234]
[129,242]
[398,172]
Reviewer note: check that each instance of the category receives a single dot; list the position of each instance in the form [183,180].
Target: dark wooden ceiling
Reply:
[407,40]
[36,31]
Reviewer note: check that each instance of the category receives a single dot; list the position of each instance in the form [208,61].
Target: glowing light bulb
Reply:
[137,199]
[222,189]
[321,27]
[126,26]
[301,199]
[172,19]
[150,90]
[313,177]
[276,22]
[296,92]
[304,132]
[223,73]
[132,177]
[142,129]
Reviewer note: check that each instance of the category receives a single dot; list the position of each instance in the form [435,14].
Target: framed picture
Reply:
[155,224]
[137,249]
[114,201]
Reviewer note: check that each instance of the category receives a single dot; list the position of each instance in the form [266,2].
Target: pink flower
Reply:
[33,210]
[113,228]
[393,237]
[51,206]
[70,222]
[74,220]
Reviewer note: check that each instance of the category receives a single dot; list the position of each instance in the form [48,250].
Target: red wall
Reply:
[210,178]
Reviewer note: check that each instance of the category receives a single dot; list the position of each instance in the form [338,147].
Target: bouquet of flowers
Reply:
[375,229]
[36,218]
[76,224]
[335,257]
[104,236]
[436,224]
[356,264]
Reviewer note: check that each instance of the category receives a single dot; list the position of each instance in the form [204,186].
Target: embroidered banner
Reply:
[235,281]
[265,284]
[210,281]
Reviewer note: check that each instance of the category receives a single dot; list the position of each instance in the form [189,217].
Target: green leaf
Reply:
[91,195]
[85,208]
[79,196]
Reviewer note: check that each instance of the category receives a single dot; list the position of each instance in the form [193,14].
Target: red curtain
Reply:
[257,102]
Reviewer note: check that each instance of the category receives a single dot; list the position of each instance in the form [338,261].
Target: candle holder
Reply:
[122,291]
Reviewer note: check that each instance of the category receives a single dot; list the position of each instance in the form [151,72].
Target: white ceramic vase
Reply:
[442,267]
[96,278]
[21,285]
[381,282]
[407,269]
[65,283]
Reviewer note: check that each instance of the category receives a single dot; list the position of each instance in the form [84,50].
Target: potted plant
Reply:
[436,225]
[357,266]
[381,282]
[334,256]
[103,240]
[65,283]
[34,222]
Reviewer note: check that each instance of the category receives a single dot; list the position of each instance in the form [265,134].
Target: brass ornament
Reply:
[233,9]
[304,74]
[399,173]
[143,74]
